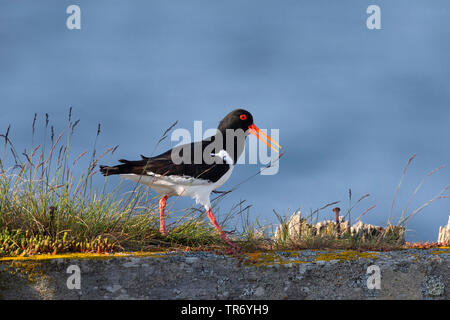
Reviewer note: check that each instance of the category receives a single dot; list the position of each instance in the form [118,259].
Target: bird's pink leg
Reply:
[224,237]
[162,206]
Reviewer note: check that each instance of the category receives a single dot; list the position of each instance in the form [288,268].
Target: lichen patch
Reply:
[75,256]
[348,255]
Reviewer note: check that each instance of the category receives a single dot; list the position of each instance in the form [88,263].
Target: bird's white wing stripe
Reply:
[185,180]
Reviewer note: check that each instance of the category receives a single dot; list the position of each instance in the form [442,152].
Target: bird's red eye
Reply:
[243,117]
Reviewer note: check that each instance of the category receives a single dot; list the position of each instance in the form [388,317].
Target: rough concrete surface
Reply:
[305,274]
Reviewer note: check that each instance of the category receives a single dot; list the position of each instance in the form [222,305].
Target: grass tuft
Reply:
[46,208]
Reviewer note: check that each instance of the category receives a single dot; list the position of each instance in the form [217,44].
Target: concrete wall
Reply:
[306,274]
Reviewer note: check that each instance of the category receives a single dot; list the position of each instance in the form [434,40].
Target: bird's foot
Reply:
[233,249]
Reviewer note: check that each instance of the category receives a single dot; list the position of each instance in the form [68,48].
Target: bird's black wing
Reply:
[164,164]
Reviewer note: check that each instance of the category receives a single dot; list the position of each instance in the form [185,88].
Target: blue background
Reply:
[351,104]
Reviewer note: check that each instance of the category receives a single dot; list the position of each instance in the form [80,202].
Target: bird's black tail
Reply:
[126,167]
[108,171]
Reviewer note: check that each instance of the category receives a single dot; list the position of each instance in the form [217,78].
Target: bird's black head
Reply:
[236,119]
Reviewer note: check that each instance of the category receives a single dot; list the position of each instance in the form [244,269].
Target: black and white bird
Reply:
[194,169]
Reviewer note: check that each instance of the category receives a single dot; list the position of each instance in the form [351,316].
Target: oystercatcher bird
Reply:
[194,169]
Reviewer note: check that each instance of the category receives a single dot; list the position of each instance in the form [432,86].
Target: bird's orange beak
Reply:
[254,130]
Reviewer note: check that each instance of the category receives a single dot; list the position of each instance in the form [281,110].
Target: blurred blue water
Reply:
[352,104]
